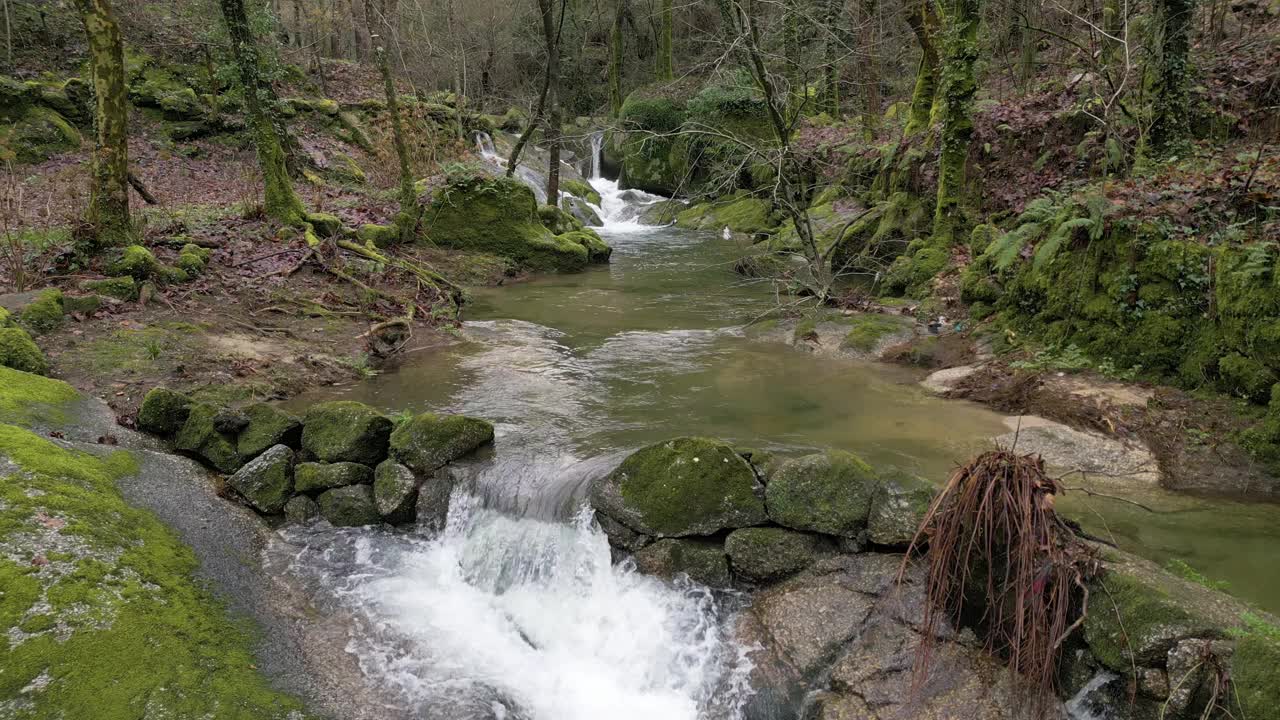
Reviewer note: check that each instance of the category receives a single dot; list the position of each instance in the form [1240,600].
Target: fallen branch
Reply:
[136,183]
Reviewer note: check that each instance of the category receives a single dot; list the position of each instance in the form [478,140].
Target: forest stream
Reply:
[516,611]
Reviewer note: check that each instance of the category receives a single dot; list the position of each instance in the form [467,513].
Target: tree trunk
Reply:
[108,211]
[923,19]
[791,51]
[959,84]
[615,59]
[870,71]
[551,35]
[280,201]
[666,68]
[831,66]
[1169,128]
[380,34]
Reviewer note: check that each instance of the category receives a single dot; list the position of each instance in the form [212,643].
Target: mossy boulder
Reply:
[266,482]
[45,313]
[192,259]
[350,506]
[395,492]
[301,508]
[558,221]
[80,304]
[867,333]
[135,261]
[829,492]
[702,561]
[766,554]
[19,351]
[582,189]
[741,213]
[312,477]
[598,251]
[39,134]
[120,288]
[200,437]
[380,235]
[325,225]
[499,216]
[430,441]
[344,430]
[682,487]
[164,411]
[266,426]
[897,508]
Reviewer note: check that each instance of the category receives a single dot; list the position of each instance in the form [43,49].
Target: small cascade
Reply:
[1090,703]
[536,181]
[597,148]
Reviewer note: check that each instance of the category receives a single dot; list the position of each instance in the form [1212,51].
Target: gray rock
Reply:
[826,492]
[430,441]
[267,426]
[346,431]
[395,492]
[267,480]
[349,506]
[621,536]
[164,411]
[433,500]
[898,507]
[199,437]
[703,561]
[765,554]
[300,509]
[230,422]
[313,477]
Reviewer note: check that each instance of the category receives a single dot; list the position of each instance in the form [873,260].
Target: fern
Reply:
[1046,250]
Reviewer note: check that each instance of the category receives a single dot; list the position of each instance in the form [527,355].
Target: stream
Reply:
[516,610]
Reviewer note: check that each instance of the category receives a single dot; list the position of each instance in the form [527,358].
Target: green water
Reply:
[576,370]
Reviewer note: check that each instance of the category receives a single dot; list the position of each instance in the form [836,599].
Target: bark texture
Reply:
[108,212]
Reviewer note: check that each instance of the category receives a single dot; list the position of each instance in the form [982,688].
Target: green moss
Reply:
[1255,669]
[81,304]
[741,214]
[429,441]
[268,426]
[135,261]
[703,561]
[1138,619]
[866,331]
[598,251]
[381,236]
[558,221]
[18,351]
[1246,377]
[193,259]
[829,493]
[898,507]
[38,134]
[137,636]
[344,430]
[316,477]
[44,314]
[350,506]
[32,399]
[201,438]
[325,225]
[120,288]
[163,411]
[769,553]
[581,189]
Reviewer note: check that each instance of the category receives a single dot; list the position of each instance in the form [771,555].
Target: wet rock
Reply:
[163,411]
[621,536]
[267,426]
[828,493]
[765,554]
[344,430]
[349,506]
[432,510]
[1119,461]
[395,492]
[267,480]
[944,380]
[430,441]
[230,422]
[897,508]
[300,509]
[199,437]
[703,561]
[311,477]
[682,487]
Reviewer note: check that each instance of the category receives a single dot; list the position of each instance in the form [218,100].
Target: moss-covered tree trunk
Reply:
[380,35]
[280,201]
[108,212]
[615,59]
[923,19]
[870,66]
[551,35]
[666,66]
[831,61]
[1169,126]
[958,85]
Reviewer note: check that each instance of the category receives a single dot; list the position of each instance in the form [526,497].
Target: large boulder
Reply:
[430,441]
[200,437]
[266,482]
[163,411]
[267,426]
[349,506]
[395,492]
[344,430]
[301,508]
[703,561]
[682,487]
[765,554]
[313,477]
[898,507]
[19,351]
[827,492]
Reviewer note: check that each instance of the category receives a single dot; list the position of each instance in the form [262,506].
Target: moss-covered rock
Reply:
[164,411]
[266,482]
[703,561]
[740,213]
[867,332]
[267,426]
[582,189]
[897,508]
[31,399]
[192,259]
[135,261]
[39,134]
[499,216]
[430,441]
[395,492]
[120,288]
[301,508]
[344,430]
[44,314]
[682,487]
[349,506]
[201,438]
[380,235]
[19,351]
[828,493]
[558,221]
[313,477]
[598,251]
[80,304]
[765,554]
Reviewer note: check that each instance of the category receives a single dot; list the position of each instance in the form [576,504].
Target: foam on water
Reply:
[507,617]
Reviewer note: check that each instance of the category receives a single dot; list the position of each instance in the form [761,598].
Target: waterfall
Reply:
[597,147]
[534,179]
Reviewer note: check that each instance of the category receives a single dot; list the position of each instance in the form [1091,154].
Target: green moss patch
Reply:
[32,399]
[867,331]
[19,351]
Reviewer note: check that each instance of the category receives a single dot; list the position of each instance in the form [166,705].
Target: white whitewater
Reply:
[619,209]
[535,180]
[506,617]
